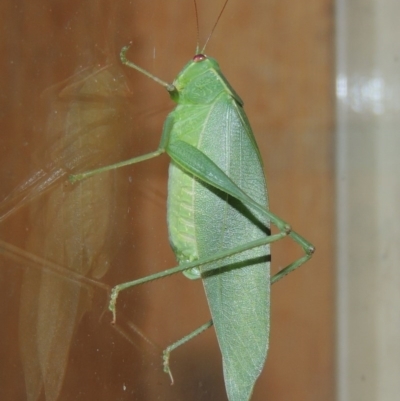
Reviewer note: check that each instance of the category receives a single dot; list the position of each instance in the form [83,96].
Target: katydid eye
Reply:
[199,57]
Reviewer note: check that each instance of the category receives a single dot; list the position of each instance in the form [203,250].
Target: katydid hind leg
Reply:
[197,163]
[190,265]
[176,344]
[289,268]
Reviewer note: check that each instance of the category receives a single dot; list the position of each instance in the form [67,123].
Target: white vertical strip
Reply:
[368,188]
[388,166]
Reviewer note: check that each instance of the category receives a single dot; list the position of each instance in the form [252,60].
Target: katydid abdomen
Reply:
[203,220]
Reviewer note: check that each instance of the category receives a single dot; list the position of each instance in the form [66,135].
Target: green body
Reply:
[218,217]
[203,220]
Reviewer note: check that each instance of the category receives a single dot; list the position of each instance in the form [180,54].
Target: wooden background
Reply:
[68,104]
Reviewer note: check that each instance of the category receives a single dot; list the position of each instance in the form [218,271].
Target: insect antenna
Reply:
[197,27]
[215,25]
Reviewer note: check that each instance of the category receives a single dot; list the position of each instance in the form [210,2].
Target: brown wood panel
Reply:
[279,58]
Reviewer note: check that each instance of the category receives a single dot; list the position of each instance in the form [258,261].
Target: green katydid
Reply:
[218,216]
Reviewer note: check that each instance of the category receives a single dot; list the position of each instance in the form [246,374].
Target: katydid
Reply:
[218,216]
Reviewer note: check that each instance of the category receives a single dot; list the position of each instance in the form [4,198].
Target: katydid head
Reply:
[199,82]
